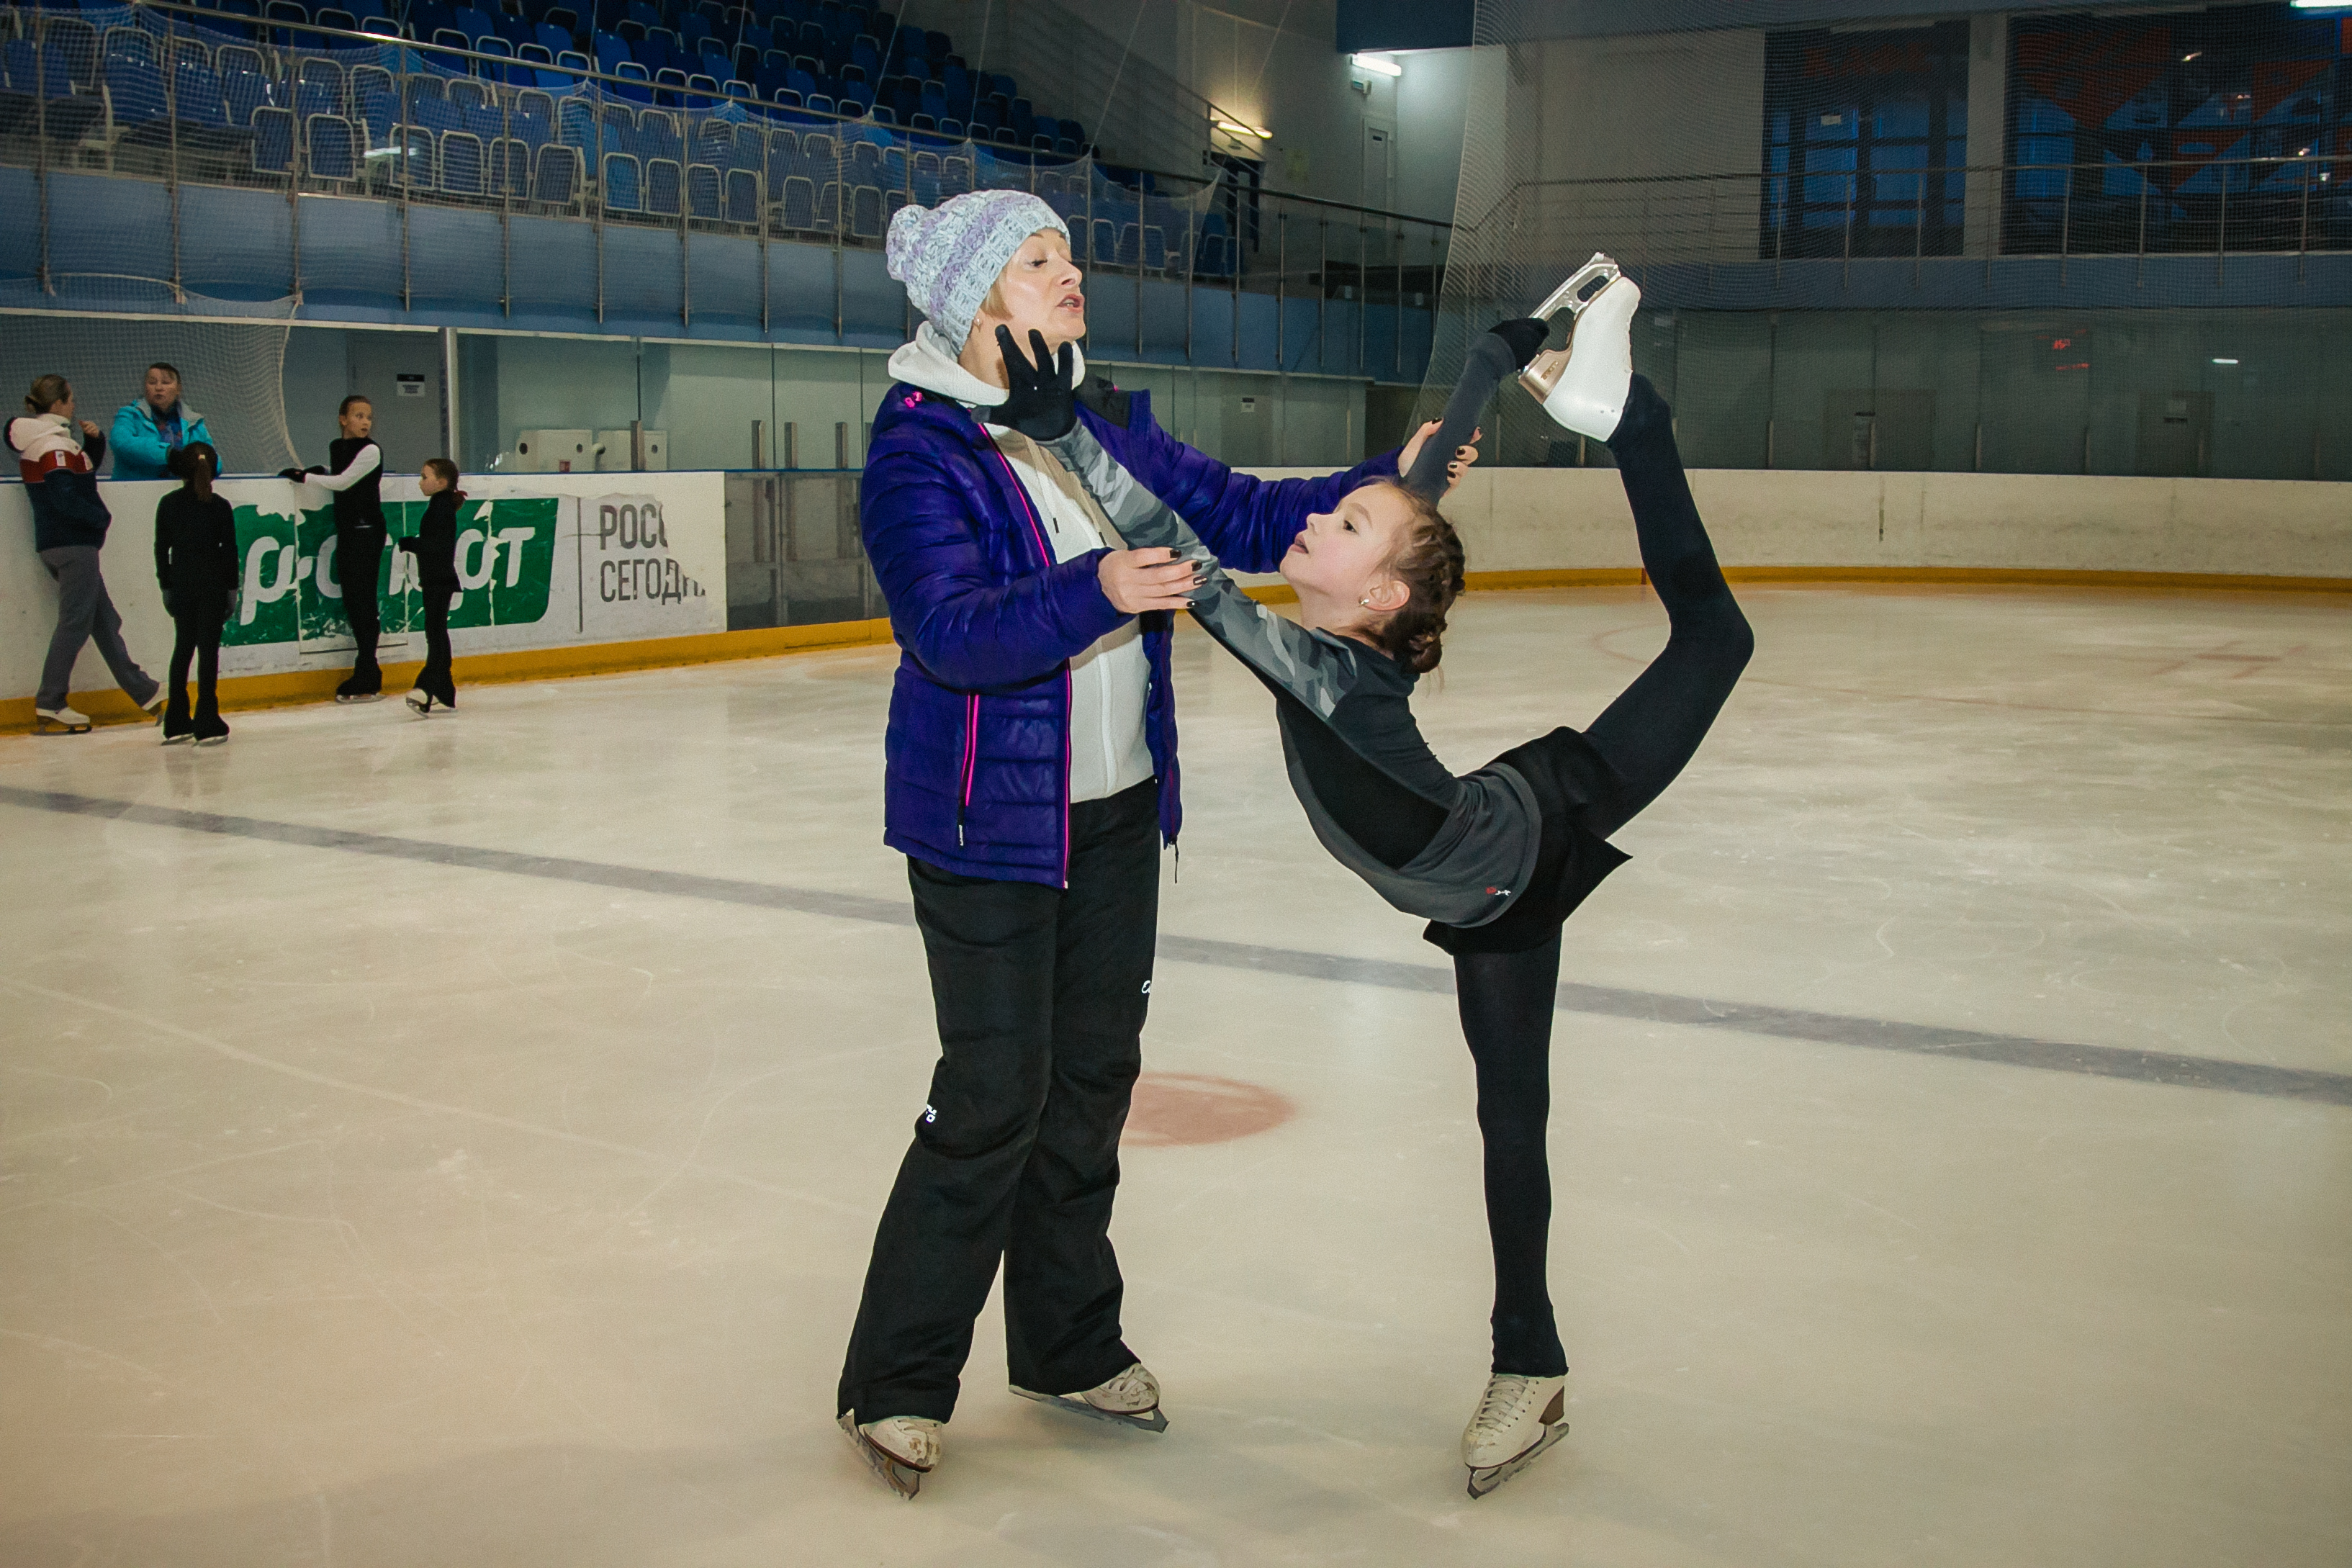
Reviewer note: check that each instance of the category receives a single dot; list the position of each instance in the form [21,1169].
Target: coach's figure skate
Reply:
[1583,386]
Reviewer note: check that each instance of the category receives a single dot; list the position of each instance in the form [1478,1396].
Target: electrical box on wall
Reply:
[555,452]
[616,451]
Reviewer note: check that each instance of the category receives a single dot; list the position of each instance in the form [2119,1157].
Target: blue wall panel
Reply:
[20,237]
[554,262]
[872,305]
[641,280]
[725,276]
[236,245]
[351,252]
[455,256]
[800,292]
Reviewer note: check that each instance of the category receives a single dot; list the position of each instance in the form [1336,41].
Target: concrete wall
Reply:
[1521,520]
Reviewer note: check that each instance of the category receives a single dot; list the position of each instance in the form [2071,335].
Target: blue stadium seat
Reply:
[462,160]
[134,93]
[623,184]
[664,180]
[705,193]
[197,97]
[555,178]
[635,83]
[273,140]
[410,166]
[129,43]
[742,198]
[331,150]
[245,92]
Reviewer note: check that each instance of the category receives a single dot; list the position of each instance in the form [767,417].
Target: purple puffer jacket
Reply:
[977,756]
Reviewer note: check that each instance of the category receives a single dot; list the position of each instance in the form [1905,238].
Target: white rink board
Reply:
[633,557]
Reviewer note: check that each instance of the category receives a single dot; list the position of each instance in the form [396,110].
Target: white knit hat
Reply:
[949,257]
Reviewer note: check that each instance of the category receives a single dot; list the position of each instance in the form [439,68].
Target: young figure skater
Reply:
[1497,859]
[69,524]
[195,565]
[435,546]
[355,470]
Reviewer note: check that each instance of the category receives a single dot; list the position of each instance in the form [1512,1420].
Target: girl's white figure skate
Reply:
[1583,386]
[62,720]
[1518,1419]
[902,1449]
[1130,1399]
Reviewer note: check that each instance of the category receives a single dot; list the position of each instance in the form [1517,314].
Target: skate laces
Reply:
[1134,1389]
[1505,1394]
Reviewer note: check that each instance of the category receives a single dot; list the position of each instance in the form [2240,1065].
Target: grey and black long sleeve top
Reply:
[1455,849]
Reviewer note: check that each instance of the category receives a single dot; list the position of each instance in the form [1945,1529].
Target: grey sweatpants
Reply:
[84,612]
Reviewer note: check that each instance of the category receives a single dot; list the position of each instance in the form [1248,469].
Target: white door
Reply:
[1379,165]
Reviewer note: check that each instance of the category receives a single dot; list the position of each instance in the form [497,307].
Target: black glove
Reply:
[293,474]
[167,605]
[1525,338]
[1041,402]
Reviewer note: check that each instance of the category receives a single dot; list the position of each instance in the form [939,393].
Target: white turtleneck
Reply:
[1109,680]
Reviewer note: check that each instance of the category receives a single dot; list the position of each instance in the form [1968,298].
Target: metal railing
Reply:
[2290,204]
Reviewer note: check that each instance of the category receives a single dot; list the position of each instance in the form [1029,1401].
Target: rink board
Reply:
[544,561]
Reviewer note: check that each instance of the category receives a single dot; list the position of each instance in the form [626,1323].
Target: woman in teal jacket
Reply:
[149,428]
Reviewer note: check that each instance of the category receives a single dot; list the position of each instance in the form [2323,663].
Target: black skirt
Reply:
[1569,776]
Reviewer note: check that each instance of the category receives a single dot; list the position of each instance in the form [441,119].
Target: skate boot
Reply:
[176,727]
[211,730]
[62,720]
[1518,1418]
[1583,385]
[901,1449]
[365,685]
[420,700]
[1130,1399]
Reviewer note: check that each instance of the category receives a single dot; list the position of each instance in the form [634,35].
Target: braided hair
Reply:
[1428,560]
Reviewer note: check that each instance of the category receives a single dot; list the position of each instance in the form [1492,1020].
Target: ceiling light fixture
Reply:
[2225,362]
[1380,63]
[1238,129]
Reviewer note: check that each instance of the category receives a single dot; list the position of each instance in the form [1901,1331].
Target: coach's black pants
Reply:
[1041,994]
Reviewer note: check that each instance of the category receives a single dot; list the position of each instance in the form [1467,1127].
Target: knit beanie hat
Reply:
[949,257]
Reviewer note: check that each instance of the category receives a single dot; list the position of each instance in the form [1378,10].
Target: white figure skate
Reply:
[61,720]
[1130,1399]
[1517,1419]
[1583,386]
[901,1449]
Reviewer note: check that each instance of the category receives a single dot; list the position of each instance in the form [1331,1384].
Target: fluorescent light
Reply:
[2322,5]
[2225,362]
[1377,63]
[1238,129]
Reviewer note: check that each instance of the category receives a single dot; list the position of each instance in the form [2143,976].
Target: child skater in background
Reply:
[435,546]
[355,471]
[195,563]
[1495,859]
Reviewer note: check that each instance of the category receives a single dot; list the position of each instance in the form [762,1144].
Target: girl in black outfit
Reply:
[355,470]
[1495,859]
[196,563]
[435,545]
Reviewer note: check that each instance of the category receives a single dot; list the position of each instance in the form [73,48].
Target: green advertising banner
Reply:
[292,591]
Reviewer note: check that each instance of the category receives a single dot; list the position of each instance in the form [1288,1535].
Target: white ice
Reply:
[376,1210]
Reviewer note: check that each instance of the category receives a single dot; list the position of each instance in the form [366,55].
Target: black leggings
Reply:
[434,680]
[197,639]
[1648,735]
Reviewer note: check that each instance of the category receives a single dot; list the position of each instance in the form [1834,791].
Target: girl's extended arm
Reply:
[1317,670]
[365,461]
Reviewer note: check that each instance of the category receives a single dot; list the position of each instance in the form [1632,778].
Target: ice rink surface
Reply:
[458,1141]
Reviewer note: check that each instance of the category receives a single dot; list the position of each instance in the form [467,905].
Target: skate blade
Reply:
[212,740]
[1152,1420]
[897,1474]
[360,696]
[177,740]
[1483,1481]
[54,727]
[1570,296]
